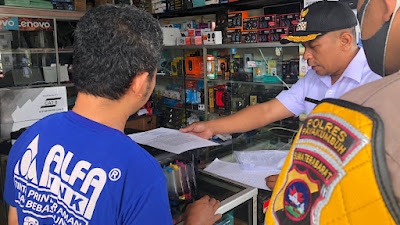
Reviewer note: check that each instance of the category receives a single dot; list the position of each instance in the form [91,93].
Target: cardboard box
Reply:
[50,74]
[142,123]
[21,108]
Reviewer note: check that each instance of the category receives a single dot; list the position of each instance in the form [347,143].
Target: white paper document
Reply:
[233,171]
[171,140]
[261,159]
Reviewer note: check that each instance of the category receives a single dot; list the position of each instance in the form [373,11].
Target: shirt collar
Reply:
[353,71]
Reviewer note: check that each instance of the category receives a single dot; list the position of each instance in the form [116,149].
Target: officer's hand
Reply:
[200,129]
[202,212]
[271,181]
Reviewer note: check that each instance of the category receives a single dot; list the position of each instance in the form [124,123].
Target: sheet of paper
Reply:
[171,140]
[233,171]
[261,159]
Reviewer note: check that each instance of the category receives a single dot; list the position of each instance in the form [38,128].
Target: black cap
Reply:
[320,18]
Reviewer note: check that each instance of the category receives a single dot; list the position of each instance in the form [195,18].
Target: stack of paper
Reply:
[171,140]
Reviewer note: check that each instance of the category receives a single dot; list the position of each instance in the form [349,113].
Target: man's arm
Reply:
[12,216]
[246,119]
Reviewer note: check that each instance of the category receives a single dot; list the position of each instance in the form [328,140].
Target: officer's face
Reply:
[323,55]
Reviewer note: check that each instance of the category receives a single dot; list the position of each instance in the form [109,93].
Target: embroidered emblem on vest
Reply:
[342,139]
[326,143]
[310,182]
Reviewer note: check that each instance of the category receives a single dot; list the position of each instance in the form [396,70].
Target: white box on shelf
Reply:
[212,38]
[211,2]
[170,35]
[50,74]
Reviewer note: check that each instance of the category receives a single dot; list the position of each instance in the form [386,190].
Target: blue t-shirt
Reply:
[67,169]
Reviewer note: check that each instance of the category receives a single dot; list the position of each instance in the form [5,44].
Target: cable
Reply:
[265,60]
[282,128]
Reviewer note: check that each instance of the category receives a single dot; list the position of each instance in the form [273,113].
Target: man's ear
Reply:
[390,5]
[139,84]
[346,40]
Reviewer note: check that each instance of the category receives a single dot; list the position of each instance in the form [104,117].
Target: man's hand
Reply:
[271,181]
[200,129]
[12,216]
[201,212]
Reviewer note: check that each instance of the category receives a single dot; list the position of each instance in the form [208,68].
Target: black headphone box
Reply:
[235,19]
[234,36]
[276,34]
[267,21]
[289,20]
[263,36]
[250,23]
[249,36]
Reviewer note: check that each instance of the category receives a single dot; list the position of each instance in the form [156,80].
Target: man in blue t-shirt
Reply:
[78,167]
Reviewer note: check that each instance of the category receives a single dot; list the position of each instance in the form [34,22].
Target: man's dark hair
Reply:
[112,44]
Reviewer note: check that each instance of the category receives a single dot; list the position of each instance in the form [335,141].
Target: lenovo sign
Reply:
[26,24]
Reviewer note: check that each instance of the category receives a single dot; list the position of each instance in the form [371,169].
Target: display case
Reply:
[200,83]
[36,46]
[238,201]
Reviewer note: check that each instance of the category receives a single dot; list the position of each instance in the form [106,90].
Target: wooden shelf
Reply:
[232,6]
[40,13]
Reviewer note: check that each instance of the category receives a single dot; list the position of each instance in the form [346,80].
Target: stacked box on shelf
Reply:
[30,3]
[235,26]
[268,21]
[198,3]
[64,4]
[250,30]
[276,34]
[5,39]
[159,6]
[173,5]
[289,20]
[211,2]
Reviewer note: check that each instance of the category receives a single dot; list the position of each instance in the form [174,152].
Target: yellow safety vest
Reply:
[336,171]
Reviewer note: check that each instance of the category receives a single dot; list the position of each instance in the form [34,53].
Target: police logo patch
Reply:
[297,200]
[309,184]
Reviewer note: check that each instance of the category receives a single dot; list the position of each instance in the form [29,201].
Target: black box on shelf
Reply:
[276,34]
[289,20]
[235,19]
[250,23]
[234,36]
[267,21]
[263,36]
[249,36]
